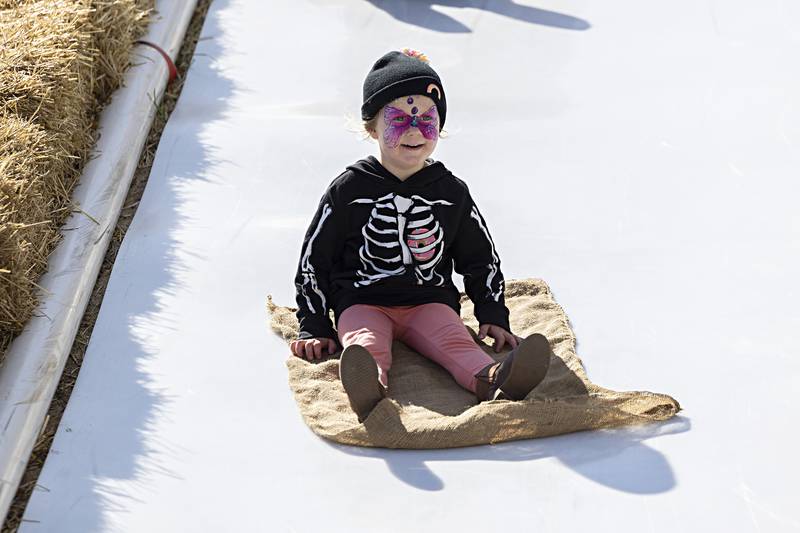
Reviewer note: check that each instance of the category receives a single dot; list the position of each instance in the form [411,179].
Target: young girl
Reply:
[381,248]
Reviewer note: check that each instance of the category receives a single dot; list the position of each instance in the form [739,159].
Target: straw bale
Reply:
[124,22]
[25,203]
[60,60]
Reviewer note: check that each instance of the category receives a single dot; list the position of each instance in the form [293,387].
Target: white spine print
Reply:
[307,269]
[493,266]
[402,204]
[398,231]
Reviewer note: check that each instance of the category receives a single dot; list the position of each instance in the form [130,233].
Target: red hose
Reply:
[173,70]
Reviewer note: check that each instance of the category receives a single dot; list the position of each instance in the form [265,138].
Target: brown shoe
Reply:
[521,371]
[359,374]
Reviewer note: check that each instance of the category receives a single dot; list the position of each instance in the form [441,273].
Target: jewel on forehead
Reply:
[414,110]
[410,100]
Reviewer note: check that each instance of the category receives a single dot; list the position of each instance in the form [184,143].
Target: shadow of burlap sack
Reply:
[426,408]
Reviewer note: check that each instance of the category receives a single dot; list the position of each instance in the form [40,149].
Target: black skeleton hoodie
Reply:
[376,239]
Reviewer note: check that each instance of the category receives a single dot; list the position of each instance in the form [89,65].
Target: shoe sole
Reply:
[528,368]
[359,374]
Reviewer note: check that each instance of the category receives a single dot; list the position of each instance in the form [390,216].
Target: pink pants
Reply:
[433,329]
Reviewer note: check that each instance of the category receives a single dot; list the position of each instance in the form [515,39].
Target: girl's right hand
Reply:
[313,348]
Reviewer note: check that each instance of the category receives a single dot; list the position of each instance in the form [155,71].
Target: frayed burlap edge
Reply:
[427,409]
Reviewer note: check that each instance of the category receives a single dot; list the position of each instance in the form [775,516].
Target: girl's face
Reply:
[407,131]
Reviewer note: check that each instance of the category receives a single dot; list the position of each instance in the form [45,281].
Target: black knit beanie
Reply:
[397,74]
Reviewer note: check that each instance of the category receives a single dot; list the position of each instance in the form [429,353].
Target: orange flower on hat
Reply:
[415,53]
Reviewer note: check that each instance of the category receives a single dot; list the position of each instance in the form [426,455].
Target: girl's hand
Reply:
[500,336]
[312,348]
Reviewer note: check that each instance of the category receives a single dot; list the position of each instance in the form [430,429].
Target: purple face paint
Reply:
[397,122]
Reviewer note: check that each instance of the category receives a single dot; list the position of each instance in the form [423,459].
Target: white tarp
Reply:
[640,157]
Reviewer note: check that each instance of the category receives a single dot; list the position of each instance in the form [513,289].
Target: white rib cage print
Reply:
[400,230]
[307,269]
[493,266]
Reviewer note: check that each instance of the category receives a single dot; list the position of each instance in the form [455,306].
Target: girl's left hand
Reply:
[500,336]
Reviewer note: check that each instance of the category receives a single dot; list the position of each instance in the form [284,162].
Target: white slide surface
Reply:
[640,157]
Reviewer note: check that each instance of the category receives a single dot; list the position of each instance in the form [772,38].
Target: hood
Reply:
[425,176]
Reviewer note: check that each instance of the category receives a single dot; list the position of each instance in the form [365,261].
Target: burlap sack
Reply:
[426,408]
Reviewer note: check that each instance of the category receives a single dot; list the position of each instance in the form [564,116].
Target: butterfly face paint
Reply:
[397,122]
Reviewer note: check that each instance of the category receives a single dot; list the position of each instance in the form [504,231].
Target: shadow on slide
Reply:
[422,14]
[615,458]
